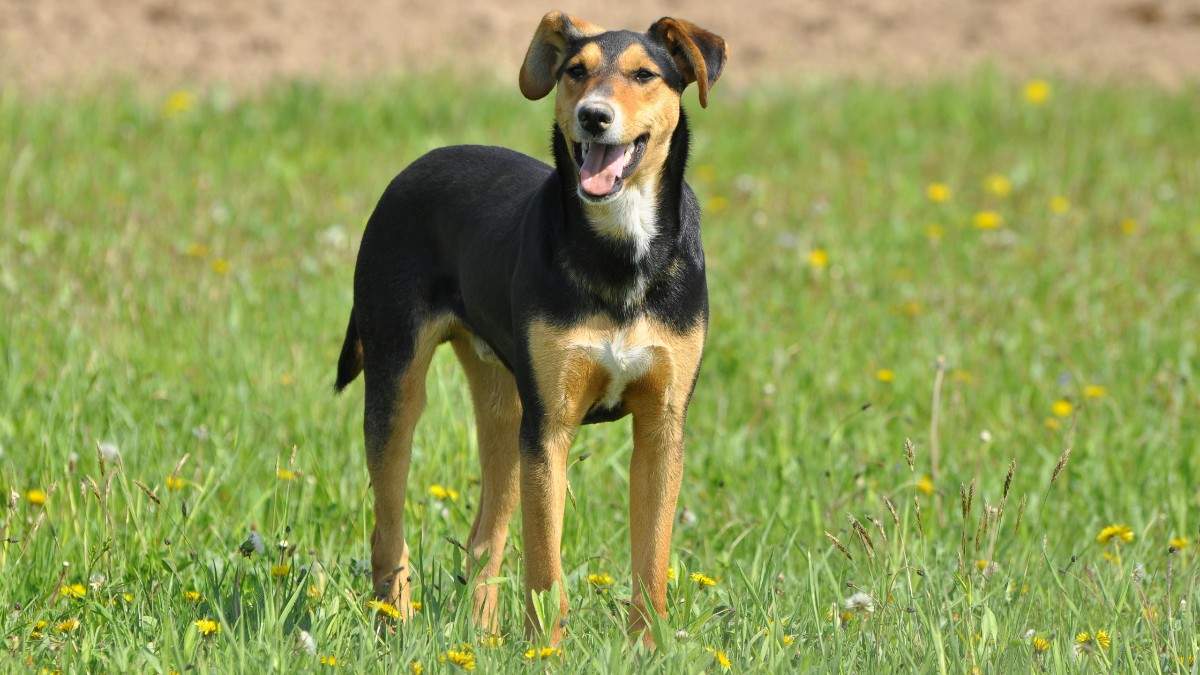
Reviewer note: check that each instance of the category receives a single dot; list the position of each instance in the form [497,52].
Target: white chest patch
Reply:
[630,215]
[624,363]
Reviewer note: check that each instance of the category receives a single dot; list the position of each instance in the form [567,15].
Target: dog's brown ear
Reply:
[699,54]
[546,50]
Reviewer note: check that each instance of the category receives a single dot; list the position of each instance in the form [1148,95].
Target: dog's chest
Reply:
[619,355]
[597,359]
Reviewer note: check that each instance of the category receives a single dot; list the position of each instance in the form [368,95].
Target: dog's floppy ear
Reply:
[545,53]
[699,55]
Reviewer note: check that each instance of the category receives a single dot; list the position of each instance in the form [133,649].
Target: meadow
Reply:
[947,420]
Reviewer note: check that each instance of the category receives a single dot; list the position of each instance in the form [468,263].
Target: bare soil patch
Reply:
[247,42]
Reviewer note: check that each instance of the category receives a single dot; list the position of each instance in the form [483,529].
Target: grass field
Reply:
[175,277]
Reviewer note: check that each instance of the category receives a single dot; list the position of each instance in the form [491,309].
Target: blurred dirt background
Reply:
[245,43]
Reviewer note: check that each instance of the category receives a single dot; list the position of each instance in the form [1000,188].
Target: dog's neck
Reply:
[616,248]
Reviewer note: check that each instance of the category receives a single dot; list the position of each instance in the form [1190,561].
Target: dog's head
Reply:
[618,92]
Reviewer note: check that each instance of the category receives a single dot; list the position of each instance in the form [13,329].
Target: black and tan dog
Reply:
[571,295]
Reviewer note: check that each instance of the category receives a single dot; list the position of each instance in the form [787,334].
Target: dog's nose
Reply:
[595,118]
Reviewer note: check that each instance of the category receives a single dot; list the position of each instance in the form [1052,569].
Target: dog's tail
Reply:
[350,363]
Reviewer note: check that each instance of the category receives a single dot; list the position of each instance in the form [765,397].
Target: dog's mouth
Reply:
[604,168]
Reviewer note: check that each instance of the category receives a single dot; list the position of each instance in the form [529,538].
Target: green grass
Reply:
[178,285]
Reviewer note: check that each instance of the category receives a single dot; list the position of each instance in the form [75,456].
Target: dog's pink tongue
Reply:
[602,167]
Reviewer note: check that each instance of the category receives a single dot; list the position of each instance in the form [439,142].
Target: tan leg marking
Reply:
[497,429]
[389,476]
[568,381]
[659,403]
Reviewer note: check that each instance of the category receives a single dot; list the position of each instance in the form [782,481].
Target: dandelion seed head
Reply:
[859,602]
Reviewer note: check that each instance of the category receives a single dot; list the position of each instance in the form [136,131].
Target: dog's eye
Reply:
[576,72]
[643,75]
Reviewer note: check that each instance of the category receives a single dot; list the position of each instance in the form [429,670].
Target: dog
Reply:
[571,295]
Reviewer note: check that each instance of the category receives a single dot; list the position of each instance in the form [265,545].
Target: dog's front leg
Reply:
[543,499]
[659,403]
[655,472]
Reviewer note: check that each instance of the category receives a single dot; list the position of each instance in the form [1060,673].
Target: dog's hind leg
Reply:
[395,397]
[497,428]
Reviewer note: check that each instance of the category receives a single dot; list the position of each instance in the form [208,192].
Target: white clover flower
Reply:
[306,643]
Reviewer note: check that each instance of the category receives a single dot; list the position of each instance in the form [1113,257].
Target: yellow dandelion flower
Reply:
[1103,639]
[415,667]
[385,608]
[934,232]
[602,580]
[671,574]
[462,659]
[703,580]
[192,596]
[722,659]
[982,564]
[492,641]
[937,192]
[281,570]
[127,597]
[885,375]
[179,102]
[1059,204]
[998,185]
[314,591]
[75,591]
[911,309]
[443,493]
[1062,408]
[415,605]
[717,204]
[1179,543]
[1040,644]
[285,474]
[175,482]
[67,626]
[925,485]
[220,266]
[818,259]
[329,660]
[1037,92]
[987,220]
[36,496]
[196,250]
[1053,424]
[1116,534]
[788,640]
[1095,391]
[542,653]
[1129,226]
[1083,638]
[207,627]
